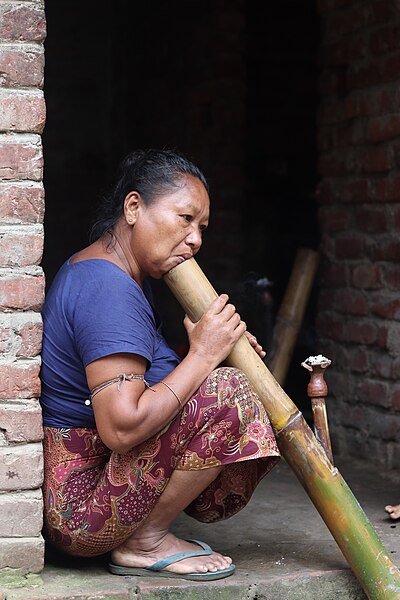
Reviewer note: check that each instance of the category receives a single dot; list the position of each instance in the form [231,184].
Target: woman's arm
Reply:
[128,413]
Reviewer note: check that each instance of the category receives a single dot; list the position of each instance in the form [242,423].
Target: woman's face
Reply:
[169,230]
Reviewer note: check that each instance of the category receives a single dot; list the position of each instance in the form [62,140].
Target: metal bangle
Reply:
[174,393]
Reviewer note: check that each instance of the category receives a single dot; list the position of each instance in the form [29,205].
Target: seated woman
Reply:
[133,434]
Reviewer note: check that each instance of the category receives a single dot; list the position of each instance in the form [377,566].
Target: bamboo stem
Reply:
[345,519]
[291,313]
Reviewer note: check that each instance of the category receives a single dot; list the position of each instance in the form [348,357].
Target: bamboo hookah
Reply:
[344,517]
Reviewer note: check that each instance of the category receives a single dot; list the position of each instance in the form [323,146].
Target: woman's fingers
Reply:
[254,343]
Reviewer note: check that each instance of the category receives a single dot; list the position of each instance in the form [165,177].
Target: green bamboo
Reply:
[344,517]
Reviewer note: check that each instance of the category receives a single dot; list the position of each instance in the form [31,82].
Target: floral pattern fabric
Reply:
[96,498]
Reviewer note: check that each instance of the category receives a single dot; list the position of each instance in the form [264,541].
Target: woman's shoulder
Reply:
[93,281]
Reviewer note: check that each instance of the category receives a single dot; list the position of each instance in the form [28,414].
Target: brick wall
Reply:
[359,196]
[22,117]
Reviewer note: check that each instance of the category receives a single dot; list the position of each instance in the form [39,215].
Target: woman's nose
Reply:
[194,238]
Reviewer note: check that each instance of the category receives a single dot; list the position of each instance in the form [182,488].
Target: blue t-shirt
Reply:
[94,309]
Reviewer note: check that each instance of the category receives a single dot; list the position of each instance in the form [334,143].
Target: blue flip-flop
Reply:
[158,569]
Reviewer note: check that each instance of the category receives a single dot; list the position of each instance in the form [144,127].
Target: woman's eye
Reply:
[188,218]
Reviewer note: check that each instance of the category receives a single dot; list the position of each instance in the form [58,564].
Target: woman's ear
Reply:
[131,205]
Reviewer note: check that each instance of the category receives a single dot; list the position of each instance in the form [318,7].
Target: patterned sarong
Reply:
[95,498]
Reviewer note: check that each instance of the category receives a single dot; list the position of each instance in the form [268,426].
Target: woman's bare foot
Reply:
[394,511]
[143,551]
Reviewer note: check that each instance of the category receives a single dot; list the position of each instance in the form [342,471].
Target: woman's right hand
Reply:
[215,334]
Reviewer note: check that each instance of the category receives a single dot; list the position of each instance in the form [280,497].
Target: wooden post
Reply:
[344,517]
[317,391]
[291,313]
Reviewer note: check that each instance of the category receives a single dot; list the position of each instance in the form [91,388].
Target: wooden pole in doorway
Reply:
[344,517]
[291,312]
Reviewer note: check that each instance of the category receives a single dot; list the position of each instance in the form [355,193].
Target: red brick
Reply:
[351,302]
[396,217]
[22,514]
[381,365]
[30,340]
[383,128]
[332,164]
[21,291]
[387,248]
[348,247]
[20,246]
[21,467]
[391,276]
[396,398]
[384,427]
[21,422]
[331,326]
[382,338]
[356,190]
[381,11]
[374,392]
[354,414]
[386,189]
[375,101]
[395,373]
[24,554]
[358,360]
[374,159]
[389,70]
[385,307]
[22,22]
[338,383]
[21,202]
[352,105]
[370,219]
[333,218]
[325,300]
[22,111]
[334,275]
[21,157]
[393,339]
[348,20]
[384,39]
[350,133]
[21,66]
[361,332]
[19,380]
[330,112]
[367,276]
[363,74]
[326,246]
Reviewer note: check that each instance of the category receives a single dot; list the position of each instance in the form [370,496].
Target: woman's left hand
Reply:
[254,343]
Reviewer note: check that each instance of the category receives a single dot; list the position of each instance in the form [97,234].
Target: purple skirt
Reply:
[95,498]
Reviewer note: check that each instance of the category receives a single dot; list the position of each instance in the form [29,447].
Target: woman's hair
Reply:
[151,173]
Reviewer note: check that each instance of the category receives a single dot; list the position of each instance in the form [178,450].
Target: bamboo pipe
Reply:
[358,541]
[317,391]
[291,312]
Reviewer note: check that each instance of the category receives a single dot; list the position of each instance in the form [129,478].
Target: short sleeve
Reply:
[111,314]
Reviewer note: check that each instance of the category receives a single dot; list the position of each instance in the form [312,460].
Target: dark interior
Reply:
[231,84]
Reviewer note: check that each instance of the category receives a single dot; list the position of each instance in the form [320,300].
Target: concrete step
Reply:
[279,543]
